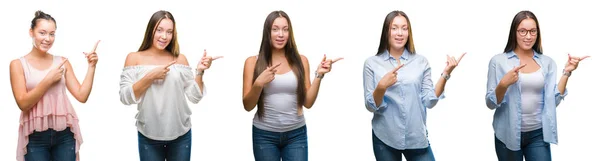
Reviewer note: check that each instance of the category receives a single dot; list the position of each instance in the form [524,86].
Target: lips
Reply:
[162,43]
[279,41]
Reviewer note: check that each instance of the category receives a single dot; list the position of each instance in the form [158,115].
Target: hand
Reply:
[266,76]
[511,76]
[92,58]
[325,66]
[451,63]
[160,72]
[56,73]
[573,62]
[390,78]
[206,61]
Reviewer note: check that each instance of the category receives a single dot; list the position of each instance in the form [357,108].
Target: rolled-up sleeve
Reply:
[192,89]
[492,83]
[128,78]
[552,79]
[369,85]
[427,94]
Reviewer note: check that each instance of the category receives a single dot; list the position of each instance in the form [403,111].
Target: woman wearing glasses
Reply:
[521,87]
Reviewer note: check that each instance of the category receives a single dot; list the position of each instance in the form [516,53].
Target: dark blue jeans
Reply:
[51,145]
[179,149]
[533,148]
[384,152]
[275,146]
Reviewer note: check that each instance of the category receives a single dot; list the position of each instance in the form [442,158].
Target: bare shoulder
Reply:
[15,64]
[132,59]
[304,60]
[251,60]
[181,59]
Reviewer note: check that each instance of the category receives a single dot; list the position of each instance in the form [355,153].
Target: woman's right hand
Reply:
[266,76]
[56,73]
[390,78]
[511,77]
[160,72]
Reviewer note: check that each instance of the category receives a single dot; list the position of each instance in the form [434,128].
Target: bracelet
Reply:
[445,76]
[565,73]
[199,72]
[319,76]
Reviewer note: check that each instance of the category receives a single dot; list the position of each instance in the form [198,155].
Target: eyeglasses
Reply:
[523,32]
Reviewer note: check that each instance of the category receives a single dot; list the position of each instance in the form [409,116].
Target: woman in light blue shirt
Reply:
[398,89]
[522,87]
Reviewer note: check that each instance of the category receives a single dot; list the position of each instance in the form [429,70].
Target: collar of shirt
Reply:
[512,54]
[405,55]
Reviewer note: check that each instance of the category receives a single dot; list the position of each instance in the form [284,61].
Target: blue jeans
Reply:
[179,149]
[275,146]
[533,148]
[384,152]
[51,145]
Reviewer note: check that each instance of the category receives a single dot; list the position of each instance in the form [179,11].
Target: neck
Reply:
[276,53]
[524,53]
[155,51]
[396,53]
[37,53]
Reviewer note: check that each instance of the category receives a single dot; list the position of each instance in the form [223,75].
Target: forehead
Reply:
[399,21]
[165,23]
[43,24]
[528,23]
[280,21]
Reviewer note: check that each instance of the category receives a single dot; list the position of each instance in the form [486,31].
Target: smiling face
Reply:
[526,34]
[398,33]
[279,33]
[163,34]
[43,34]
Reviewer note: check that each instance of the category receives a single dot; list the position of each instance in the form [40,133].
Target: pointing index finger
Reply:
[171,63]
[274,66]
[95,46]
[62,63]
[519,67]
[584,57]
[217,57]
[336,59]
[461,56]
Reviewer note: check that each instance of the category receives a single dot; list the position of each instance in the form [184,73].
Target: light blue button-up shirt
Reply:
[400,120]
[507,117]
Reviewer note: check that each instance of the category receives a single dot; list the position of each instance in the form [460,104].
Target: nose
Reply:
[163,35]
[280,33]
[528,35]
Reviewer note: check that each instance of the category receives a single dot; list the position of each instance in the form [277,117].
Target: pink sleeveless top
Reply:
[53,110]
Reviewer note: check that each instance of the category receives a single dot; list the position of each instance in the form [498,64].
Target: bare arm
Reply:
[312,89]
[251,90]
[81,92]
[26,99]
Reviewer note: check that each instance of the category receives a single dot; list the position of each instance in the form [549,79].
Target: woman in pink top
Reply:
[49,128]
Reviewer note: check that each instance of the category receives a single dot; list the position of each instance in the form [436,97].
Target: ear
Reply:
[31,33]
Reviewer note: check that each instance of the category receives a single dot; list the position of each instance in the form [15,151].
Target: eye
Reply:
[405,28]
[170,32]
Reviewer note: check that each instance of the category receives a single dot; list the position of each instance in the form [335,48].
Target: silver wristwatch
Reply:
[319,76]
[199,72]
[568,74]
[445,76]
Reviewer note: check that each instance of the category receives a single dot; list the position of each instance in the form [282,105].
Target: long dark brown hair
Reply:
[512,35]
[384,42]
[291,54]
[158,16]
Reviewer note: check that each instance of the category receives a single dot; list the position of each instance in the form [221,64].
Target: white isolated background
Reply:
[339,126]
